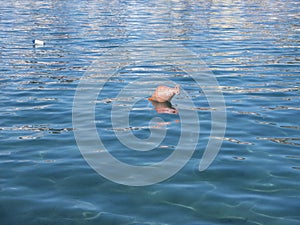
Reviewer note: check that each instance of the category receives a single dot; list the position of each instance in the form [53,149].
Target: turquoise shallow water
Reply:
[251,47]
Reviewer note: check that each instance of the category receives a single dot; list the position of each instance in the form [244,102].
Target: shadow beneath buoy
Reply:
[164,107]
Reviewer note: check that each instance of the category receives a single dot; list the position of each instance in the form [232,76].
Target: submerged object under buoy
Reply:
[164,107]
[38,42]
[164,93]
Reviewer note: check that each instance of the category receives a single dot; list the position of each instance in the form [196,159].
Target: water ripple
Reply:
[252,48]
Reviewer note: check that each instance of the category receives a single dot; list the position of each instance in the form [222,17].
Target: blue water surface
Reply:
[251,47]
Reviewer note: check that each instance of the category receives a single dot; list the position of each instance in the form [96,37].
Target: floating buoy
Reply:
[38,42]
[164,93]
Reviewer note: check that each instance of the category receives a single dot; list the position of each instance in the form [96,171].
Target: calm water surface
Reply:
[252,48]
